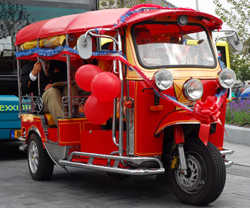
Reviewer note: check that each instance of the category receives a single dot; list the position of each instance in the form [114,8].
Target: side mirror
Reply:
[234,41]
[85,46]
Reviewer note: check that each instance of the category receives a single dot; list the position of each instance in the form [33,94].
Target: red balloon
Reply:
[105,86]
[85,74]
[98,112]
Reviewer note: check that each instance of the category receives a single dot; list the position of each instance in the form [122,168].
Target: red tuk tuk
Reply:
[157,105]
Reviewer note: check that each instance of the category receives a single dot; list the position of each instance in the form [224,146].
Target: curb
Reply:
[236,134]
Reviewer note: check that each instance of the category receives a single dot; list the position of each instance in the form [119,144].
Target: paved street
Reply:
[84,188]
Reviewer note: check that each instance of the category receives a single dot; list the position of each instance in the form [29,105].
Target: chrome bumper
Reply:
[224,152]
[115,168]
[24,146]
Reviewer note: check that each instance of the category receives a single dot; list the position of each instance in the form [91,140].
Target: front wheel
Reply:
[206,174]
[40,164]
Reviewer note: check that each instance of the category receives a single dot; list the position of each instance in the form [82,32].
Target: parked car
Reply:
[245,94]
[10,123]
[236,88]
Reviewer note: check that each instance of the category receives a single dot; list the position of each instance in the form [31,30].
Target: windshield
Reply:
[167,45]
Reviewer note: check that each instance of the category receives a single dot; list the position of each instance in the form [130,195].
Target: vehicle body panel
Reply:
[150,124]
[9,121]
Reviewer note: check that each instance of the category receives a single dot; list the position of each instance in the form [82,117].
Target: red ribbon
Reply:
[207,113]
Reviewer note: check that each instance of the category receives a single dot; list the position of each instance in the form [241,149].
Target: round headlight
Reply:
[163,79]
[193,89]
[227,78]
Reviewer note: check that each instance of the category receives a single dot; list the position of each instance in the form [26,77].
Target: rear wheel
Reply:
[206,174]
[40,164]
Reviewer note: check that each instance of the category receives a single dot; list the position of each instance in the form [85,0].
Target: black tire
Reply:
[206,174]
[40,164]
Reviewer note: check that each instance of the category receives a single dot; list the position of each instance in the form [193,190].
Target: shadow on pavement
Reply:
[9,150]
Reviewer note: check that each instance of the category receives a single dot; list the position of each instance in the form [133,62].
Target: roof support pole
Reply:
[121,99]
[18,81]
[38,76]
[69,80]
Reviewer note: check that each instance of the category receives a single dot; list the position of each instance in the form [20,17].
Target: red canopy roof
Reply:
[80,23]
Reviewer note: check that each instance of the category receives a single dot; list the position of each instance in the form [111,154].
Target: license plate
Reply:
[15,133]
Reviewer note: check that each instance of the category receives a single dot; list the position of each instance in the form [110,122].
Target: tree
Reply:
[237,18]
[13,18]
[111,4]
[243,74]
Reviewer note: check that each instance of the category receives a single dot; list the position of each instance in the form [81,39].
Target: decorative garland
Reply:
[46,52]
[98,55]
[207,112]
[50,53]
[143,8]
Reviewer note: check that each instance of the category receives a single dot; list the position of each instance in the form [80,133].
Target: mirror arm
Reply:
[226,36]
[89,32]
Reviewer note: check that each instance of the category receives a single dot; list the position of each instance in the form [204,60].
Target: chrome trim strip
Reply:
[57,153]
[23,147]
[182,158]
[38,75]
[226,151]
[131,134]
[69,80]
[115,168]
[228,163]
[89,32]
[19,81]
[22,139]
[35,130]
[114,125]
[121,99]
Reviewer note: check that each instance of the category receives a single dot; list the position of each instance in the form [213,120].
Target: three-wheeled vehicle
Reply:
[157,105]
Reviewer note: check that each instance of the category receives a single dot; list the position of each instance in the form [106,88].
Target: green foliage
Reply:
[243,73]
[111,4]
[237,18]
[136,2]
[236,59]
[13,18]
[238,112]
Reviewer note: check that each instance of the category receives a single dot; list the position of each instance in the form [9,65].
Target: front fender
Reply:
[176,117]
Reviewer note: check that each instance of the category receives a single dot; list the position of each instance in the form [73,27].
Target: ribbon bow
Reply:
[207,113]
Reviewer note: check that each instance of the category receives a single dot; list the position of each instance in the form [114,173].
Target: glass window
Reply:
[222,51]
[16,17]
[168,45]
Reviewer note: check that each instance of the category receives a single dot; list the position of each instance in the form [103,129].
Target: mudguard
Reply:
[176,117]
[183,117]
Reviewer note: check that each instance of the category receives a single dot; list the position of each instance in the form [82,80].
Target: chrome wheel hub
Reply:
[33,157]
[196,175]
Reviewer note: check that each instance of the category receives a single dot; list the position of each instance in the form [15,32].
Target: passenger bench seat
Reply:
[49,119]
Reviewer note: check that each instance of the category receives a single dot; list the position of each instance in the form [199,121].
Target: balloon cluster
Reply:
[105,87]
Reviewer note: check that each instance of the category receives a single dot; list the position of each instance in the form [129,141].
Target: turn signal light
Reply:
[156,108]
[129,104]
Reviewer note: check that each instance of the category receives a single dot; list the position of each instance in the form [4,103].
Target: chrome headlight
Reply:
[163,79]
[193,89]
[227,78]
